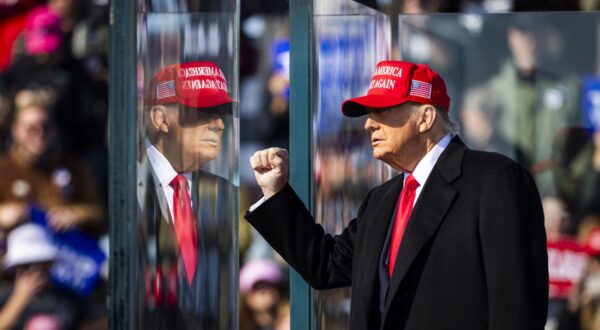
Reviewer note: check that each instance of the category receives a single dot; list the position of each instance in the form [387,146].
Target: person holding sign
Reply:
[37,174]
[456,241]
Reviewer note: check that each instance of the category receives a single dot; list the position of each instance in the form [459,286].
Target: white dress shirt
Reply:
[163,173]
[426,164]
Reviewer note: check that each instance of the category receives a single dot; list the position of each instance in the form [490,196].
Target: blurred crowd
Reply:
[53,164]
[53,154]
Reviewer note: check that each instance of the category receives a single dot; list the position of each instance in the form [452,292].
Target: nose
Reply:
[370,124]
[217,124]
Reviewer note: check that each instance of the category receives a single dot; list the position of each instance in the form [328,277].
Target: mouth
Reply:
[376,141]
[211,142]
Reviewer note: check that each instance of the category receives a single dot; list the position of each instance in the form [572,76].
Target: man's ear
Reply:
[158,119]
[427,118]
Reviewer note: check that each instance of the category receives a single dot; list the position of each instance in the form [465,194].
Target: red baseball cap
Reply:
[397,82]
[194,84]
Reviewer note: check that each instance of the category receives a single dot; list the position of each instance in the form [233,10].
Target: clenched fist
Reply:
[270,169]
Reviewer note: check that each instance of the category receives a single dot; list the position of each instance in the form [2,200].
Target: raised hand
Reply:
[270,170]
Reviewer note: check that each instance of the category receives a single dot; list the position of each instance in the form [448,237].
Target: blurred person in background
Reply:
[567,258]
[478,117]
[43,60]
[37,174]
[32,302]
[556,218]
[575,164]
[89,43]
[261,295]
[533,101]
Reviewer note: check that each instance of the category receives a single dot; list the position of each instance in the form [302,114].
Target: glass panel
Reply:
[516,83]
[188,142]
[350,40]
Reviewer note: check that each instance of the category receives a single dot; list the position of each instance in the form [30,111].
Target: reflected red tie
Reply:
[405,206]
[185,225]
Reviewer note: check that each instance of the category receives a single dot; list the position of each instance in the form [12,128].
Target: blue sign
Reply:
[591,102]
[281,56]
[345,46]
[281,61]
[79,260]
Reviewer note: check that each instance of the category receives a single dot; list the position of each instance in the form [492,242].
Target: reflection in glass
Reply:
[351,39]
[187,171]
[523,86]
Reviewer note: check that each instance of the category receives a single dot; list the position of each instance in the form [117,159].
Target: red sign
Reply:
[567,260]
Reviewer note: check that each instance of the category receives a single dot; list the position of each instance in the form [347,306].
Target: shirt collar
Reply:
[426,164]
[162,168]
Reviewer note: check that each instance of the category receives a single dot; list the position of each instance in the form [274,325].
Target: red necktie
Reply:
[405,205]
[185,225]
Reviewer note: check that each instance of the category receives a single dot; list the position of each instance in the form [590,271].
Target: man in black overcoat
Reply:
[456,241]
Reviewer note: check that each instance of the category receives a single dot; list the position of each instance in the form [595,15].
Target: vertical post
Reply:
[122,165]
[301,109]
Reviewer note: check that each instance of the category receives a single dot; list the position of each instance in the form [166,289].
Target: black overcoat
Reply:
[473,255]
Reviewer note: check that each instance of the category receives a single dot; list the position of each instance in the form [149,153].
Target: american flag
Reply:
[165,89]
[421,89]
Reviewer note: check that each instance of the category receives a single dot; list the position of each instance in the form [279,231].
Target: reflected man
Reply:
[454,242]
[185,211]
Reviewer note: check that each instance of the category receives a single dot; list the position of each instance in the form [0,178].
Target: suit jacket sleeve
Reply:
[323,260]
[513,244]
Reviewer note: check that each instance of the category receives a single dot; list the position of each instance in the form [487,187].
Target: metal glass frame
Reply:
[122,164]
[301,108]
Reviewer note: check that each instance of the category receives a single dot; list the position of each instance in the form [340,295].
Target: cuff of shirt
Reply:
[257,204]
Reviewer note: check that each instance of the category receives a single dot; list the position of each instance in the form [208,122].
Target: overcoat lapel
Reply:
[377,225]
[194,192]
[429,212]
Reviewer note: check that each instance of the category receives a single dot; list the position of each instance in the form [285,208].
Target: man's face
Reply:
[523,47]
[193,137]
[31,131]
[395,136]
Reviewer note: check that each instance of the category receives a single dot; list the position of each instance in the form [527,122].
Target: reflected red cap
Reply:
[397,82]
[194,84]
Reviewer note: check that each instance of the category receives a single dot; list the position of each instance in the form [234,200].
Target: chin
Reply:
[208,156]
[378,154]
